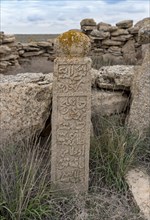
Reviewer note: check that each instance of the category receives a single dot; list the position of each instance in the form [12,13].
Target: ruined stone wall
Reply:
[114,44]
[110,45]
[14,54]
[8,52]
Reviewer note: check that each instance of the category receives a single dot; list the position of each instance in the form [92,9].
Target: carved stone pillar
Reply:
[71,113]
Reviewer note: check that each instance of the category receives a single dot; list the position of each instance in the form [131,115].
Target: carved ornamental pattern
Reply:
[71,123]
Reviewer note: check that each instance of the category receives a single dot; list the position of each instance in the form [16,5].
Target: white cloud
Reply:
[55,16]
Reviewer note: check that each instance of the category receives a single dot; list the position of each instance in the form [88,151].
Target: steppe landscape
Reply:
[25,38]
[75,123]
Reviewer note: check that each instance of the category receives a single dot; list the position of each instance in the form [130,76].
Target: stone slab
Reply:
[71,117]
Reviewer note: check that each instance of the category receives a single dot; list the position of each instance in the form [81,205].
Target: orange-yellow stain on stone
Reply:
[71,39]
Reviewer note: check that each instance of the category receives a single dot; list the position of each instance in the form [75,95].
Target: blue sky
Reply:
[57,16]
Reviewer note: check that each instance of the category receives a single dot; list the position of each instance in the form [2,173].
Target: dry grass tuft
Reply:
[25,192]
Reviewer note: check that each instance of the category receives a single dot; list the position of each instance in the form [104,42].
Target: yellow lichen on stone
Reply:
[71,37]
[72,43]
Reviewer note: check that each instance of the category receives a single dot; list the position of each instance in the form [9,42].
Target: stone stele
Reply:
[71,113]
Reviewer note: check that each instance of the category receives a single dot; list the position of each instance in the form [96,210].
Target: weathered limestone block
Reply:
[71,113]
[115,50]
[99,34]
[44,44]
[109,42]
[103,26]
[139,184]
[109,58]
[4,49]
[133,30]
[119,32]
[122,37]
[88,22]
[87,25]
[142,23]
[117,77]
[106,103]
[113,28]
[30,48]
[8,39]
[34,53]
[139,116]
[129,53]
[32,44]
[9,57]
[125,24]
[144,35]
[24,109]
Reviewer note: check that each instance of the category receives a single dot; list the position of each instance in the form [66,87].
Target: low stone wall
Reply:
[117,44]
[111,45]
[8,52]
[43,48]
[14,54]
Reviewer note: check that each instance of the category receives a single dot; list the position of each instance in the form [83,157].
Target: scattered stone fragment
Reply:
[139,184]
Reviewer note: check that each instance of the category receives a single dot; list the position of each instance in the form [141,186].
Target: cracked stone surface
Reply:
[139,184]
